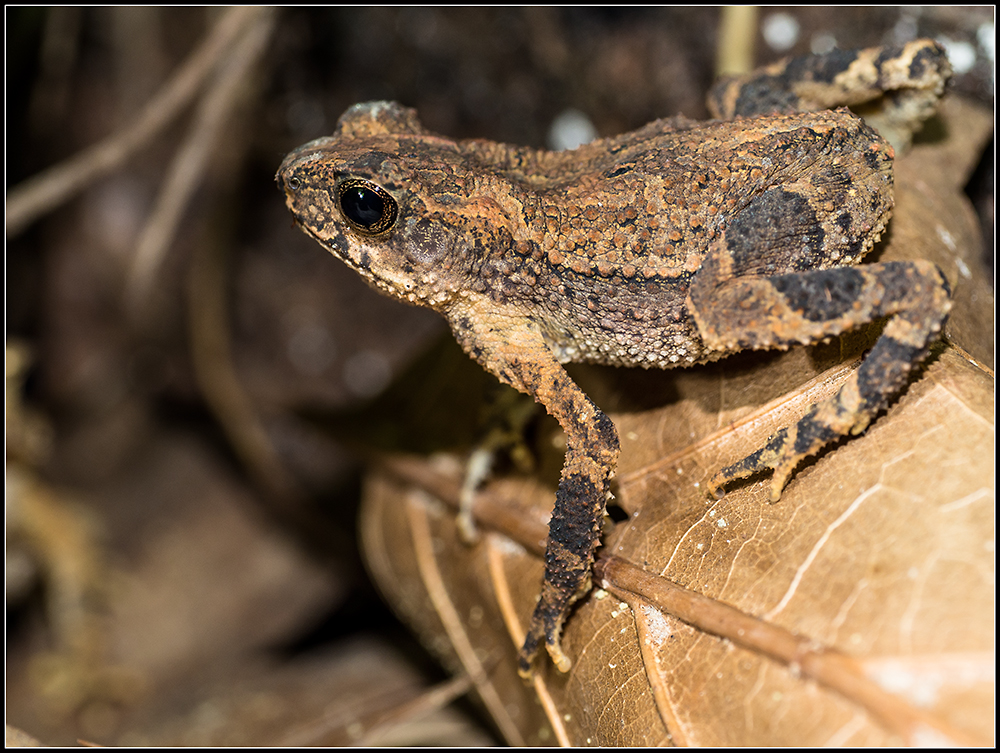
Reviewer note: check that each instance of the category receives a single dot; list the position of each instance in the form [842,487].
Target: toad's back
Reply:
[598,245]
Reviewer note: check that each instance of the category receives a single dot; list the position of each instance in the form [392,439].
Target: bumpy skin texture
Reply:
[672,245]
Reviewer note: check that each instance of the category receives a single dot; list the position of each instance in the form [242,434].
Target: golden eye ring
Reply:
[366,206]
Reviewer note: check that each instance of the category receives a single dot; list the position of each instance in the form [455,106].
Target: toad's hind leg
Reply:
[809,306]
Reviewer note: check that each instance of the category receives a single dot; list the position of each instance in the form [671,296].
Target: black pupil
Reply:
[363,206]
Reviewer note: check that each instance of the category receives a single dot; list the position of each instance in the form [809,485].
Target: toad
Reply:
[673,245]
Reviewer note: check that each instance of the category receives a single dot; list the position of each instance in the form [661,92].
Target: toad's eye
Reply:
[367,207]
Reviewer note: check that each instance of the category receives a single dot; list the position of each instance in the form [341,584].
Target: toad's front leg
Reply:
[513,349]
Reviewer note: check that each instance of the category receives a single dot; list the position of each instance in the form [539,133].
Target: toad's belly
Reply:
[654,330]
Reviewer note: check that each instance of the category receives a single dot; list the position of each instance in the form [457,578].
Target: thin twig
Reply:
[188,167]
[807,657]
[505,601]
[208,277]
[432,700]
[211,355]
[430,574]
[52,187]
[737,34]
[368,722]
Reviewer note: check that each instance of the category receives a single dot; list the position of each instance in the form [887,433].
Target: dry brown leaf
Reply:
[858,610]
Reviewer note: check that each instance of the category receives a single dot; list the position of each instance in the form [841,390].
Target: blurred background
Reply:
[193,384]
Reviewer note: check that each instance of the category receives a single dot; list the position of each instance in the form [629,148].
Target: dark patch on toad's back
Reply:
[779,230]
